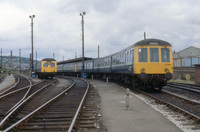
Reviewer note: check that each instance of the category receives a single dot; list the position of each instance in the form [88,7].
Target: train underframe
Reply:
[151,81]
[45,74]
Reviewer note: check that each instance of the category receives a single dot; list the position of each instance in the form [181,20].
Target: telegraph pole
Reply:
[32,67]
[11,59]
[20,61]
[1,60]
[63,63]
[98,51]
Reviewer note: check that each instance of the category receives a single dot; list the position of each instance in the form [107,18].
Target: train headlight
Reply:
[166,70]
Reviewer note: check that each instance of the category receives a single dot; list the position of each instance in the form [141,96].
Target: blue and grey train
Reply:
[147,63]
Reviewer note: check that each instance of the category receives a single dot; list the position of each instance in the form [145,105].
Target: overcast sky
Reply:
[112,24]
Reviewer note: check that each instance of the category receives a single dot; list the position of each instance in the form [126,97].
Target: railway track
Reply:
[9,100]
[188,87]
[20,82]
[187,107]
[190,95]
[13,102]
[57,113]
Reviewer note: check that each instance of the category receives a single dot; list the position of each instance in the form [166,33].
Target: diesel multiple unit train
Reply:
[147,64]
[46,68]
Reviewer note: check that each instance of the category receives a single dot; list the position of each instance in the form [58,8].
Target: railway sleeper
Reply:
[89,114]
[44,122]
[56,116]
[87,125]
[46,128]
[51,119]
[89,118]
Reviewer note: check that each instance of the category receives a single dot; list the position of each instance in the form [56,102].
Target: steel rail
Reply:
[78,110]
[18,90]
[197,118]
[185,84]
[11,86]
[39,108]
[183,98]
[19,105]
[185,87]
[29,88]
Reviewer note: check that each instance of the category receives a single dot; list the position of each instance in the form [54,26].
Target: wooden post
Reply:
[127,99]
[107,80]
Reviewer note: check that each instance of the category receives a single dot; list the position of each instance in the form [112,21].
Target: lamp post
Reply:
[32,16]
[82,15]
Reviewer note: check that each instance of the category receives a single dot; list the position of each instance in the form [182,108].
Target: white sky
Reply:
[112,24]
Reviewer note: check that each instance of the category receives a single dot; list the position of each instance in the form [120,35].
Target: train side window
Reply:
[165,54]
[52,65]
[154,55]
[45,65]
[142,54]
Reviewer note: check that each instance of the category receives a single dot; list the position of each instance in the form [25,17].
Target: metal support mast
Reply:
[35,59]
[1,60]
[32,67]
[82,15]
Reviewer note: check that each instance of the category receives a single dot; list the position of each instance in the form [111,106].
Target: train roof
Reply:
[152,42]
[74,60]
[48,59]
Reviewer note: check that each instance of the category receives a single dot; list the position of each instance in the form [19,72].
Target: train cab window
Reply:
[45,65]
[52,65]
[154,55]
[142,54]
[165,54]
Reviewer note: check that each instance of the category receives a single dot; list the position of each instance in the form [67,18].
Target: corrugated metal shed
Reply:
[188,52]
[187,57]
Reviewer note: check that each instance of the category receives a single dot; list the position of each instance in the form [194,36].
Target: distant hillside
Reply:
[25,62]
